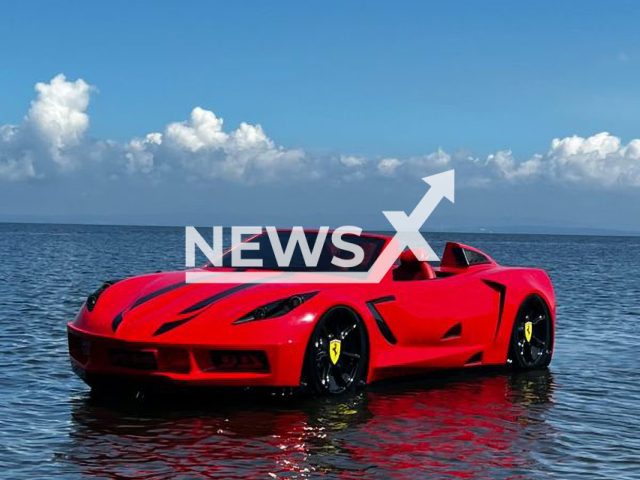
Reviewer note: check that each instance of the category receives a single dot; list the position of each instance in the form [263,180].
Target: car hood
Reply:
[149,306]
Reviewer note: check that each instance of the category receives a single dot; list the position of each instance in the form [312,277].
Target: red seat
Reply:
[413,268]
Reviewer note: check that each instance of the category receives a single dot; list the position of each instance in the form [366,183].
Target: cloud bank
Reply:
[52,140]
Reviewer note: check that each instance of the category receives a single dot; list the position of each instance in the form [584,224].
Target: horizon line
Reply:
[568,231]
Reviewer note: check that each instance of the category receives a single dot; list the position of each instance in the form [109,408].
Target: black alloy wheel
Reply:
[532,337]
[337,354]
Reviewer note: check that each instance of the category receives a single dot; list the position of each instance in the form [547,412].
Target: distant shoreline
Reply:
[515,230]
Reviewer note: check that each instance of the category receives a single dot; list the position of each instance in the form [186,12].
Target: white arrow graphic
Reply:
[408,227]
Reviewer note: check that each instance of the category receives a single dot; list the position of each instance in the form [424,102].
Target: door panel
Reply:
[425,310]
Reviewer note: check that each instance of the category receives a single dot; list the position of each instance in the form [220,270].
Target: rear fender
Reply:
[516,285]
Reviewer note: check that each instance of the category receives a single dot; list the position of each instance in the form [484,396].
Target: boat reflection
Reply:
[461,425]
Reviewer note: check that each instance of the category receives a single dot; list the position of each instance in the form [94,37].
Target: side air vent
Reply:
[477,358]
[382,324]
[453,332]
[502,291]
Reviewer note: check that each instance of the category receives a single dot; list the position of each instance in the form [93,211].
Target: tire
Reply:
[528,351]
[345,370]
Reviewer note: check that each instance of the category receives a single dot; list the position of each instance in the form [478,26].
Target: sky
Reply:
[300,113]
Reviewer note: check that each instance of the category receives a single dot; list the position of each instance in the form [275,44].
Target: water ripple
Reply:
[578,420]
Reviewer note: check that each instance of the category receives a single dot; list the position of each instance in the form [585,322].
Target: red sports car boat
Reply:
[465,312]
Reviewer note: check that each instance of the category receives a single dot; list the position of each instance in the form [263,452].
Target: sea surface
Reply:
[580,419]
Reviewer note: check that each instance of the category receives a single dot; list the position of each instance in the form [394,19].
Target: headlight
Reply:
[93,298]
[275,309]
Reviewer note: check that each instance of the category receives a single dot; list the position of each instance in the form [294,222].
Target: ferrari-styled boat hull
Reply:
[456,315]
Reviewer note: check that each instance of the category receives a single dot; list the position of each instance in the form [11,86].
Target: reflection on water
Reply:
[457,425]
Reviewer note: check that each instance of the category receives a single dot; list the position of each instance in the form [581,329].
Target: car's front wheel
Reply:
[532,336]
[337,354]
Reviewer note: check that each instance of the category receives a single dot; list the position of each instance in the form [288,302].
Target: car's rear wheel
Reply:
[532,336]
[337,354]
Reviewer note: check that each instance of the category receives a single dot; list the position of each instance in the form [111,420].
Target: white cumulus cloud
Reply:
[16,163]
[15,169]
[202,131]
[351,161]
[600,160]
[59,115]
[510,169]
[388,166]
[202,149]
[53,139]
[139,153]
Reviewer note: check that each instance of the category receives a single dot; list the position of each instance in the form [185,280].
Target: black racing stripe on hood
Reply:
[214,298]
[165,327]
[150,296]
[157,293]
[117,321]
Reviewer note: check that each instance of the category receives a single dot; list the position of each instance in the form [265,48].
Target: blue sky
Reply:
[327,82]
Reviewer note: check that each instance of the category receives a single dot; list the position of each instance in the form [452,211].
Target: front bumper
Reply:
[249,365]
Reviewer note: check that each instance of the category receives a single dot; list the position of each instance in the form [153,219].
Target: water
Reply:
[580,419]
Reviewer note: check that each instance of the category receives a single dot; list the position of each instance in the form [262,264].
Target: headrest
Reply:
[408,256]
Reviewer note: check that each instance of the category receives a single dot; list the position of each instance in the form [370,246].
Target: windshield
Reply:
[370,245]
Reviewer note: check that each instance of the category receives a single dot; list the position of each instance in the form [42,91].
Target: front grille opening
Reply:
[239,361]
[136,359]
[174,360]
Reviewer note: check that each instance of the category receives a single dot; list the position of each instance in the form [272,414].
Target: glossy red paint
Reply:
[157,327]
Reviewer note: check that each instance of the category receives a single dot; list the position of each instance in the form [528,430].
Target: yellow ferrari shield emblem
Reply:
[334,351]
[528,331]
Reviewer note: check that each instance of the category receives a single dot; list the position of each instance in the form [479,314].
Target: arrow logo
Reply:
[408,227]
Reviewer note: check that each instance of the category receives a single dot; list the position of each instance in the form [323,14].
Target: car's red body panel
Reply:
[462,318]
